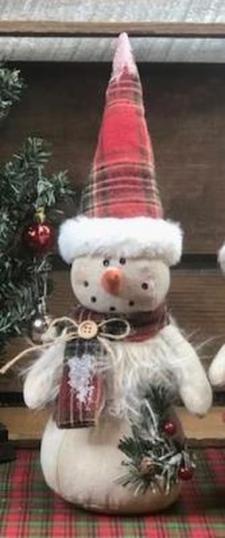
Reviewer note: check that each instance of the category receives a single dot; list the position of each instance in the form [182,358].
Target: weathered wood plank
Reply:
[196,299]
[185,109]
[125,11]
[19,28]
[108,11]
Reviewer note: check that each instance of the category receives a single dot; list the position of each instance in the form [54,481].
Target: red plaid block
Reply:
[75,412]
[71,412]
[122,182]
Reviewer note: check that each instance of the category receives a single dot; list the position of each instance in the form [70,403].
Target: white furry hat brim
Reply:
[114,237]
[221,258]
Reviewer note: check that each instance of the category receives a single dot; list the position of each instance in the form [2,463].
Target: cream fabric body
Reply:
[83,465]
[217,368]
[43,377]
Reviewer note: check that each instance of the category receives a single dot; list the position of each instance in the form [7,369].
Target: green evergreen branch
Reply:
[11,86]
[148,444]
[20,294]
[24,188]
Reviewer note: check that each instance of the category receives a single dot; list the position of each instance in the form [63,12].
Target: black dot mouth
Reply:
[131,303]
[112,308]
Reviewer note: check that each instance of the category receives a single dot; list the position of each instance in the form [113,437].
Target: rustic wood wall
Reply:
[161,50]
[185,107]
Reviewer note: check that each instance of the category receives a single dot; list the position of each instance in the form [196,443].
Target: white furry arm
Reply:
[42,380]
[184,363]
[217,368]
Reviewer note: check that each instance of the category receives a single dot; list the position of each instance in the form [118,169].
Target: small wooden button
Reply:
[87,329]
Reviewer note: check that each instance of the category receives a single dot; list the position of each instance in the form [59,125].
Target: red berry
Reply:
[169,428]
[39,236]
[185,473]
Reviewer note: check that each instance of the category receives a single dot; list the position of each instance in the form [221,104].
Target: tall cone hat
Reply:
[121,213]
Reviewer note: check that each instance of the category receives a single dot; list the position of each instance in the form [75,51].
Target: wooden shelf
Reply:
[25,427]
[110,29]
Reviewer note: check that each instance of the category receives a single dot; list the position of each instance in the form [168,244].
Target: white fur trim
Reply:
[114,237]
[221,258]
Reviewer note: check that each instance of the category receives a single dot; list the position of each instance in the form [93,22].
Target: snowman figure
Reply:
[217,367]
[120,339]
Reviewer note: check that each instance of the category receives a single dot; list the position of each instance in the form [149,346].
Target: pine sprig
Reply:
[23,179]
[153,459]
[25,187]
[21,295]
[11,86]
[49,191]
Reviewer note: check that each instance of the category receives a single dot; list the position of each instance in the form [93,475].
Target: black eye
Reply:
[106,263]
[86,284]
[122,261]
[112,308]
[93,299]
[131,303]
[144,286]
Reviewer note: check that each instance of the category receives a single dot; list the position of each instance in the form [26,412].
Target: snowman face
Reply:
[119,285]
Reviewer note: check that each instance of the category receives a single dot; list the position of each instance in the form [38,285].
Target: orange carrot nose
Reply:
[111,280]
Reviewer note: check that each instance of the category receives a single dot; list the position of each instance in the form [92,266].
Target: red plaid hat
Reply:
[121,213]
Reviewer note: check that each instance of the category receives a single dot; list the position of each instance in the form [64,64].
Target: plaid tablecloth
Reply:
[29,509]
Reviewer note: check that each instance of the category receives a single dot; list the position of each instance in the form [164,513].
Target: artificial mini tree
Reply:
[27,195]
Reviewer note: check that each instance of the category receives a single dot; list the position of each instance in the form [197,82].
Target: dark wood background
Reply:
[185,108]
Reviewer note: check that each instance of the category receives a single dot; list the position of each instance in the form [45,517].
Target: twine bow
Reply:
[73,331]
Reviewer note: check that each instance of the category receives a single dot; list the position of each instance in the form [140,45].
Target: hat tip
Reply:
[123,57]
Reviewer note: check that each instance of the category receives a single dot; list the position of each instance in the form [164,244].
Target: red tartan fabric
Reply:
[143,325]
[122,182]
[28,509]
[71,412]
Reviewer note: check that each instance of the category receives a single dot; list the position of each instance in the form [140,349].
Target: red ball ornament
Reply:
[170,428]
[39,236]
[185,473]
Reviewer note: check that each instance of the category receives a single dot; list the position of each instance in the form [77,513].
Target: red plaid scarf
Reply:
[75,409]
